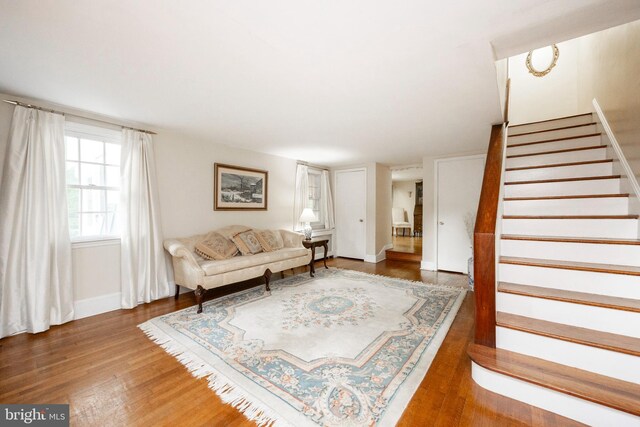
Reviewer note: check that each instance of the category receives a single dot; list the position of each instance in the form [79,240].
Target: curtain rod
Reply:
[49,110]
[300,162]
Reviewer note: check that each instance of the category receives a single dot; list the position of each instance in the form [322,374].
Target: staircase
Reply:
[568,292]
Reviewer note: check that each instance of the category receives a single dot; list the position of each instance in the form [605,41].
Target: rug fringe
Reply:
[396,279]
[228,393]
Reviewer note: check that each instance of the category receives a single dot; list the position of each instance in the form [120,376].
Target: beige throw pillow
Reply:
[216,247]
[247,242]
[270,240]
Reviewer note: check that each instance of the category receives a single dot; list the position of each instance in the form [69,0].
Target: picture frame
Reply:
[237,188]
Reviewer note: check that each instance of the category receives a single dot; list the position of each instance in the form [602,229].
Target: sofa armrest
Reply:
[178,250]
[292,239]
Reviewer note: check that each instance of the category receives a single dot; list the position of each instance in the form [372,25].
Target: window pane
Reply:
[71,148]
[113,154]
[74,225]
[73,171]
[113,176]
[113,199]
[92,174]
[91,151]
[112,227]
[73,200]
[93,201]
[92,224]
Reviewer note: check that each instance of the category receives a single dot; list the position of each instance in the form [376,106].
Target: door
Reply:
[351,209]
[458,185]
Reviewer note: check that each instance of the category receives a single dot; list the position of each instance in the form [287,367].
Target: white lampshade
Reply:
[307,216]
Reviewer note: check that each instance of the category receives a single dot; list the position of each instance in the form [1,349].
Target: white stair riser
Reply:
[613,228]
[578,252]
[560,403]
[594,169]
[566,157]
[583,316]
[591,206]
[546,135]
[616,285]
[604,362]
[563,188]
[553,124]
[563,144]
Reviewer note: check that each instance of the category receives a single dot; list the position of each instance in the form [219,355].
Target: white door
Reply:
[458,185]
[351,209]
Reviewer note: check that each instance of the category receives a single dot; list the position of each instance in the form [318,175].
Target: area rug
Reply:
[341,349]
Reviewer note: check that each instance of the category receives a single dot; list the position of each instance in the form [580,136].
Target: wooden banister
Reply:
[484,238]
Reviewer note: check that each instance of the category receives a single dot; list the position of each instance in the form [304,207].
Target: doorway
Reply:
[459,181]
[351,210]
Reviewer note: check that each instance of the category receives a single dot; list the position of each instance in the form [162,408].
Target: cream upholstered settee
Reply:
[197,273]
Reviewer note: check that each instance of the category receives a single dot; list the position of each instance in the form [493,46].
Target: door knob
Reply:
[361,220]
[441,223]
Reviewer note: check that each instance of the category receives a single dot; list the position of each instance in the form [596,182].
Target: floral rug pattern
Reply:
[360,387]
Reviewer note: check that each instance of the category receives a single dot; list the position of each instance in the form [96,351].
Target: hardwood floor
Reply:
[111,374]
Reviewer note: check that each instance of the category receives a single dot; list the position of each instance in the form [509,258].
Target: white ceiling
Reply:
[330,82]
[406,173]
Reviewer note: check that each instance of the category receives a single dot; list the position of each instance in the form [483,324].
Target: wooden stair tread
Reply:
[582,178]
[599,241]
[575,196]
[595,300]
[573,265]
[560,165]
[611,392]
[574,334]
[544,141]
[551,130]
[570,216]
[566,150]
[551,120]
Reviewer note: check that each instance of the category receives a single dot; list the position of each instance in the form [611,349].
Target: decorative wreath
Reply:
[554,61]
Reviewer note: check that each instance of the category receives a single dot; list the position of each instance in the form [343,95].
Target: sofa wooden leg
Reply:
[199,297]
[177,292]
[267,278]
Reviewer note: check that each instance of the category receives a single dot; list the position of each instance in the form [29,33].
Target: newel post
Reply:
[484,242]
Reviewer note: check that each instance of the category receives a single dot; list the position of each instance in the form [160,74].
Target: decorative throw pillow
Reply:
[215,247]
[270,240]
[247,242]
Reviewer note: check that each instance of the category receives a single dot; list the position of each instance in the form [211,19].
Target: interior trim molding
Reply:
[633,182]
[381,256]
[428,265]
[96,305]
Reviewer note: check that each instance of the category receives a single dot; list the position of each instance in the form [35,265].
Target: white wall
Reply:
[185,182]
[401,198]
[383,210]
[539,98]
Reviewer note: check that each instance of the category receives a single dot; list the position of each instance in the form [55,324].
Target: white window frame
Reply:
[106,135]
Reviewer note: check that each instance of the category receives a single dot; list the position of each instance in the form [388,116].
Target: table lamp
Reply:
[307,217]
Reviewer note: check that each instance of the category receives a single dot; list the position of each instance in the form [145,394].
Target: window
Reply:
[315,196]
[93,181]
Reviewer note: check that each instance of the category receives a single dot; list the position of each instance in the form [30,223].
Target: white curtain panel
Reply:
[144,274]
[35,249]
[327,202]
[301,197]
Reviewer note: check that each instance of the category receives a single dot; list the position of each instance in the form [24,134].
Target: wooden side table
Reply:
[312,244]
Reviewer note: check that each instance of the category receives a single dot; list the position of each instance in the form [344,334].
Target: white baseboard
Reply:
[96,305]
[381,256]
[427,265]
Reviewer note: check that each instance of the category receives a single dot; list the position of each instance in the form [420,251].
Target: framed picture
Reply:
[239,189]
